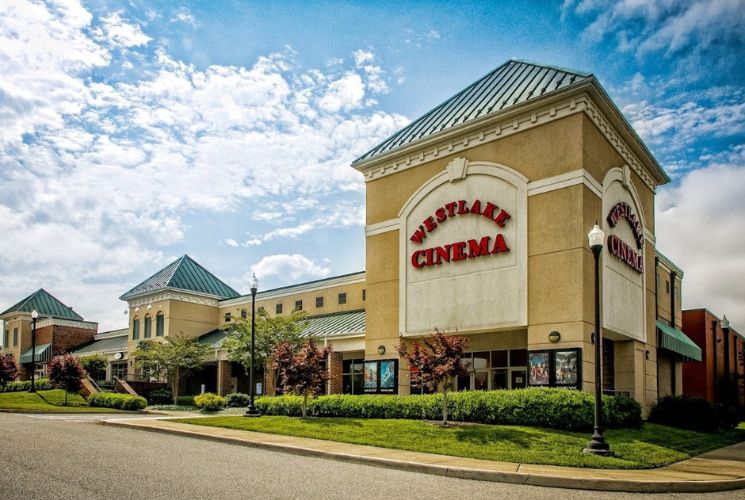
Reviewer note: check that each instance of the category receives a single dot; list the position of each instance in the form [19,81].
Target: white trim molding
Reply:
[580,176]
[86,325]
[301,288]
[382,227]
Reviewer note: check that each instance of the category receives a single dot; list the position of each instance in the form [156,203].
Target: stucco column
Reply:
[109,370]
[336,370]
[224,376]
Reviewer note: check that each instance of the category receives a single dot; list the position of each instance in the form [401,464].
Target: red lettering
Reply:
[459,251]
[462,207]
[415,259]
[430,224]
[476,207]
[489,210]
[440,214]
[477,248]
[443,253]
[429,261]
[451,208]
[502,218]
[500,246]
[418,235]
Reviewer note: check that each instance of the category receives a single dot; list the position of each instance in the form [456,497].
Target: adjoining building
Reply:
[58,329]
[477,216]
[112,345]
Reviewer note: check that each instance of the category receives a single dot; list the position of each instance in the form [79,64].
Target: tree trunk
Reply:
[174,387]
[67,385]
[444,406]
[305,404]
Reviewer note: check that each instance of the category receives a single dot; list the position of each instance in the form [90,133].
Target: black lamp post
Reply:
[251,411]
[597,444]
[34,317]
[725,333]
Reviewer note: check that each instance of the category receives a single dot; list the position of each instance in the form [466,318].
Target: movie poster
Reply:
[371,376]
[567,367]
[539,369]
[387,376]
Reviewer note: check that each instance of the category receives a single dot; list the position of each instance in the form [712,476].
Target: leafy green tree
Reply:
[303,370]
[435,362]
[66,372]
[95,365]
[270,332]
[8,370]
[171,359]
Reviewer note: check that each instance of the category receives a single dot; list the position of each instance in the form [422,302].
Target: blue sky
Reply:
[133,132]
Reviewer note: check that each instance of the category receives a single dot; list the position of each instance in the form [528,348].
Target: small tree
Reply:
[171,359]
[8,370]
[269,333]
[434,362]
[65,371]
[301,370]
[95,365]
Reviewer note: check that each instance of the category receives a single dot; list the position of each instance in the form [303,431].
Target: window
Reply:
[136,329]
[342,298]
[159,325]
[609,371]
[298,305]
[352,376]
[261,309]
[5,338]
[15,337]
[227,317]
[667,286]
[278,309]
[490,370]
[319,301]
[148,327]
[364,294]
[244,313]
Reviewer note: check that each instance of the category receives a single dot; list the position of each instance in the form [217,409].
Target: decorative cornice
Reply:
[580,176]
[497,127]
[294,290]
[172,295]
[85,325]
[382,227]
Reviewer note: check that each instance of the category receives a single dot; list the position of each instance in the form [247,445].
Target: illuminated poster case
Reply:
[555,368]
[381,377]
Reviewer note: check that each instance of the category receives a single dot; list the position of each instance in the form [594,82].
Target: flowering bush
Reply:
[209,401]
[66,373]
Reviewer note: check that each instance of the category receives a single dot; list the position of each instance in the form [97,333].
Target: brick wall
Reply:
[336,367]
[66,338]
[224,377]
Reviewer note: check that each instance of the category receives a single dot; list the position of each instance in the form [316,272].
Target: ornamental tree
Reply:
[8,370]
[303,370]
[65,372]
[171,359]
[435,362]
[95,365]
[269,333]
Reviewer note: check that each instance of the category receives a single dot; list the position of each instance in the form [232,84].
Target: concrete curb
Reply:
[599,483]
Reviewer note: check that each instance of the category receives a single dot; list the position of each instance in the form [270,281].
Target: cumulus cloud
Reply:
[698,225]
[289,268]
[98,174]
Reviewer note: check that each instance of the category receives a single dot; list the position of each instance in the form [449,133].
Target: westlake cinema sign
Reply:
[459,250]
[617,246]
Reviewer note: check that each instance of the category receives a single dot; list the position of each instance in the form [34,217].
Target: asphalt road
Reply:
[75,457]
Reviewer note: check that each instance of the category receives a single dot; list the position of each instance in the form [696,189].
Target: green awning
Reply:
[43,354]
[678,342]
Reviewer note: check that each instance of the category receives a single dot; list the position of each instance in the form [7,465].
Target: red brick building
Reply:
[720,377]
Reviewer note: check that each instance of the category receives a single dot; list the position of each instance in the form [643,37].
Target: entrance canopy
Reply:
[678,342]
[42,355]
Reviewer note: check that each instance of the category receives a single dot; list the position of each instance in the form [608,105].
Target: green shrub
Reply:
[159,397]
[209,401]
[694,413]
[553,408]
[236,400]
[41,384]
[185,401]
[126,402]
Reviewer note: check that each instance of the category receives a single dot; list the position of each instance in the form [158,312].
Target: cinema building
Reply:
[477,216]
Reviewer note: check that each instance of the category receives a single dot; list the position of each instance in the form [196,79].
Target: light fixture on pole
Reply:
[725,334]
[597,444]
[34,317]
[251,411]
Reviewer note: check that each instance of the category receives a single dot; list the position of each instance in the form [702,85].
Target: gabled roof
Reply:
[511,84]
[183,274]
[110,343]
[46,305]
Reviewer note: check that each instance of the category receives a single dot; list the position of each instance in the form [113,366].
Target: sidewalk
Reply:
[719,470]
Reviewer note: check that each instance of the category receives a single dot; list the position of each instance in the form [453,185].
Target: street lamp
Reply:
[251,411]
[725,333]
[34,317]
[597,444]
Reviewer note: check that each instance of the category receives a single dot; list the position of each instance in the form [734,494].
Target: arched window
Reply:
[148,326]
[135,329]
[159,324]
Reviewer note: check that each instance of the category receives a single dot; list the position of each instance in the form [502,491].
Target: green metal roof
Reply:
[334,324]
[184,274]
[43,354]
[676,341]
[46,305]
[510,85]
[108,344]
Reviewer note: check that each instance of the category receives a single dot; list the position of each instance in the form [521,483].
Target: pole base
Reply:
[594,451]
[251,411]
[32,390]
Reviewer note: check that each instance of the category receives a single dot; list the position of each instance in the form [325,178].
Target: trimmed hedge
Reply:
[209,401]
[553,408]
[41,384]
[159,397]
[696,413]
[236,400]
[118,401]
[185,401]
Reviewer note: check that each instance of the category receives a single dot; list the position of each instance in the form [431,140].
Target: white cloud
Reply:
[289,268]
[699,226]
[101,173]
[231,242]
[184,16]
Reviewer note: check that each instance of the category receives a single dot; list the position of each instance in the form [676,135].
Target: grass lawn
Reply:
[651,446]
[47,401]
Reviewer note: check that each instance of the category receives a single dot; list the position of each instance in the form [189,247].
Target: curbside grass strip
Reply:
[599,481]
